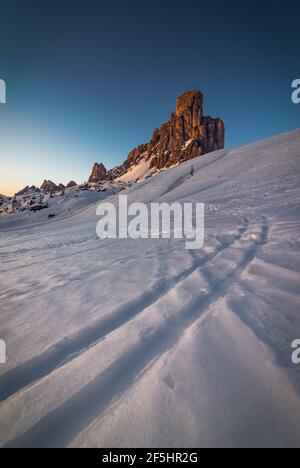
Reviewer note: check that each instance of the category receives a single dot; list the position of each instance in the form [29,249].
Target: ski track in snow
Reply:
[61,426]
[243,237]
[26,373]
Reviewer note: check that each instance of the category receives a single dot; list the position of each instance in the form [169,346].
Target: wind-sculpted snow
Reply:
[192,347]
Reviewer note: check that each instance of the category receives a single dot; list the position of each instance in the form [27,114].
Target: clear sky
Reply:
[89,80]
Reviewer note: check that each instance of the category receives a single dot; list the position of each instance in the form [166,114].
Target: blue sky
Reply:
[88,81]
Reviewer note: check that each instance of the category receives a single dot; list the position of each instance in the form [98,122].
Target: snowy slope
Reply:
[140,172]
[123,343]
[58,207]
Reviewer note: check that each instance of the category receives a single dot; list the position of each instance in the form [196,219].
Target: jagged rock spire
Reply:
[99,173]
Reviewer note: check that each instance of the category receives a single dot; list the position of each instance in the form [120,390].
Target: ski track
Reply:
[49,399]
[60,426]
[55,356]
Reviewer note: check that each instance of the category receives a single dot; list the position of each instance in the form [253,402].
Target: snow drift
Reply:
[193,348]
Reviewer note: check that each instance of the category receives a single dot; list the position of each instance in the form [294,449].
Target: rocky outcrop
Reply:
[2,199]
[38,206]
[99,173]
[186,135]
[49,186]
[71,184]
[28,190]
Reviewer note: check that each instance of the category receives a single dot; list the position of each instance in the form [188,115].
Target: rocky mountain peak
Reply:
[99,173]
[71,184]
[27,190]
[49,186]
[186,135]
[190,103]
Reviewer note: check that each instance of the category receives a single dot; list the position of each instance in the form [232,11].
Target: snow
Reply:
[187,144]
[59,206]
[193,348]
[138,172]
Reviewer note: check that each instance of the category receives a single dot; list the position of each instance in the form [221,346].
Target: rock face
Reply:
[2,199]
[49,186]
[28,190]
[71,184]
[99,173]
[186,135]
[38,207]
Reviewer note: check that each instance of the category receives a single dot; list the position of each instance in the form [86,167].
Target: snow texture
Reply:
[142,343]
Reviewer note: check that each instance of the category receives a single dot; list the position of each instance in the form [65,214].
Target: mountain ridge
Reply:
[186,135]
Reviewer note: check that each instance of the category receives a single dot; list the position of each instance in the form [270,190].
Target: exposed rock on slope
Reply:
[186,135]
[71,184]
[49,186]
[2,199]
[99,173]
[28,190]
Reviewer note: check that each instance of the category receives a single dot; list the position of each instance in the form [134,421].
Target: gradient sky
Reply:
[89,80]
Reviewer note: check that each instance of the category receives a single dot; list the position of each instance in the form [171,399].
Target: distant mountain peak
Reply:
[71,184]
[186,135]
[49,186]
[190,101]
[99,173]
